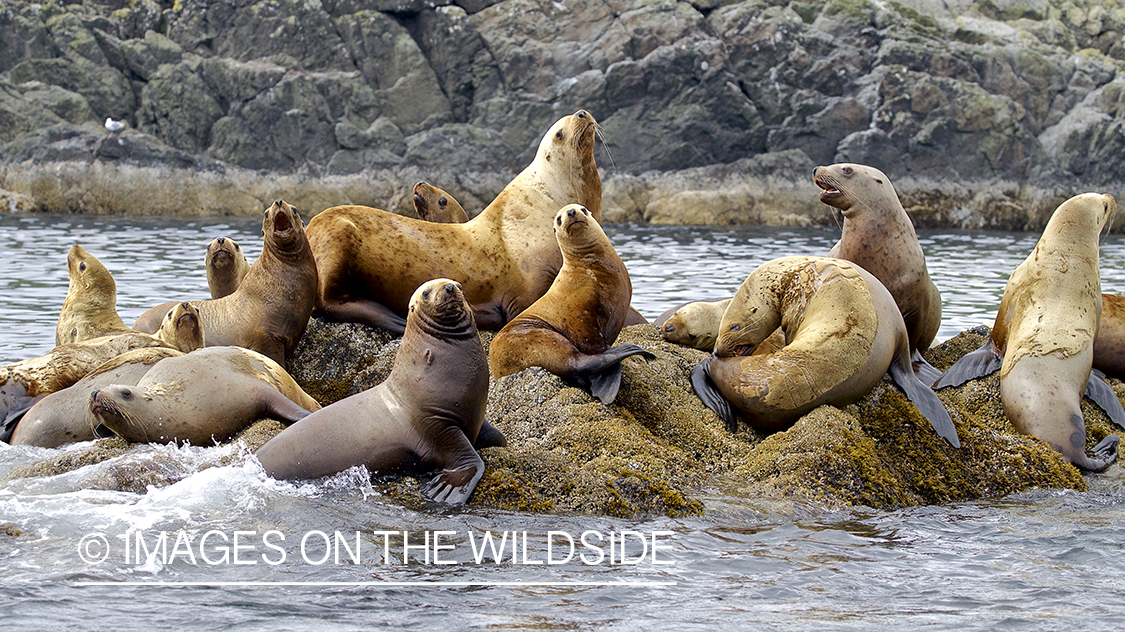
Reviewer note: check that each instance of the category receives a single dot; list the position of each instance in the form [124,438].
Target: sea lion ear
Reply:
[878,181]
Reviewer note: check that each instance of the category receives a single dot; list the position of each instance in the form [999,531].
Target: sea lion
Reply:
[370,260]
[843,332]
[24,383]
[693,324]
[434,205]
[90,307]
[201,398]
[424,417]
[226,266]
[569,330]
[270,310]
[1043,337]
[879,236]
[61,417]
[1109,344]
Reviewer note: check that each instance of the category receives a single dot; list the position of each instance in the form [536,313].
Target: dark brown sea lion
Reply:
[370,261]
[843,332]
[90,308]
[226,266]
[201,398]
[270,310]
[434,205]
[424,418]
[569,330]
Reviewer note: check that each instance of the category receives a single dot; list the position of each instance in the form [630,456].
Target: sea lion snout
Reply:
[222,240]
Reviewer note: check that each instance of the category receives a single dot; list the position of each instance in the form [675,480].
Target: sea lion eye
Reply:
[735,327]
[585,211]
[82,266]
[559,134]
[558,220]
[442,202]
[267,212]
[425,294]
[126,395]
[848,171]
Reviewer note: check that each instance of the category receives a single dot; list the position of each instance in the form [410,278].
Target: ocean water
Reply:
[228,548]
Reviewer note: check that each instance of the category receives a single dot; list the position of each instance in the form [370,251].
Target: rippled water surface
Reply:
[1038,561]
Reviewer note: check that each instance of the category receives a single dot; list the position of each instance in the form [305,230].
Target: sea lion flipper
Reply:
[1101,394]
[282,408]
[1106,451]
[602,373]
[984,361]
[925,372]
[604,384]
[927,402]
[490,437]
[462,469]
[363,311]
[710,395]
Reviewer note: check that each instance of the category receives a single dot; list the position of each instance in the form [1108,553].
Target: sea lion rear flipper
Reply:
[1101,394]
[634,317]
[923,370]
[462,468]
[282,408]
[710,395]
[603,371]
[605,383]
[490,437]
[927,402]
[984,361]
[14,414]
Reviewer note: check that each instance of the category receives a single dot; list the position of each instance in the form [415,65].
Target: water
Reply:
[1036,561]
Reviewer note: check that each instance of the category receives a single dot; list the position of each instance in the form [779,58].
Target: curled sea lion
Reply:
[424,417]
[370,261]
[24,383]
[569,330]
[434,205]
[90,308]
[200,398]
[1043,338]
[226,266]
[61,417]
[879,236]
[843,332]
[270,310]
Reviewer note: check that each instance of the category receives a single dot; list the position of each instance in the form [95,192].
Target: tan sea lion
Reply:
[1043,337]
[843,332]
[434,205]
[370,261]
[90,308]
[61,417]
[24,383]
[693,324]
[201,398]
[270,310]
[569,330]
[226,266]
[879,236]
[1109,344]
[423,418]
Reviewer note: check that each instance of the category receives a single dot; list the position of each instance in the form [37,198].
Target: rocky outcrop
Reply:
[984,113]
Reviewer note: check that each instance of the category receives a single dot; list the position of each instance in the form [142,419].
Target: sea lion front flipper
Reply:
[363,311]
[923,370]
[461,470]
[705,388]
[984,361]
[926,400]
[490,437]
[1101,394]
[281,408]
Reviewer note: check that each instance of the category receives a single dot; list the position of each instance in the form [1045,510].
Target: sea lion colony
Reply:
[561,298]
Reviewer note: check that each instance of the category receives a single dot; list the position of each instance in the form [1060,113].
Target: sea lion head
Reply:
[754,312]
[113,410]
[87,273]
[223,252]
[567,152]
[842,182]
[439,307]
[434,205]
[577,231]
[692,325]
[1081,217]
[181,328]
[226,266]
[284,233]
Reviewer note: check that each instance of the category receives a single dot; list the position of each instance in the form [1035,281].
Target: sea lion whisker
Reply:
[600,135]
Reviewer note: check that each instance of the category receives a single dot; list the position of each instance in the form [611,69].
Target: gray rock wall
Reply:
[985,114]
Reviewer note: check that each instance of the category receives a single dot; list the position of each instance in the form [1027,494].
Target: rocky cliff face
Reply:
[983,113]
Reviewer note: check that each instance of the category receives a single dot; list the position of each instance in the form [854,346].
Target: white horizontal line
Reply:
[378,584]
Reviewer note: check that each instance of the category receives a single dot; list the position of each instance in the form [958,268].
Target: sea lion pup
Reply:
[200,398]
[270,310]
[569,330]
[879,236]
[693,324]
[24,383]
[842,330]
[90,308]
[423,418]
[434,205]
[370,260]
[61,417]
[1043,337]
[226,266]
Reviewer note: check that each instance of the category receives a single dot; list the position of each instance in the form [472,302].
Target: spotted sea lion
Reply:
[270,310]
[879,236]
[90,307]
[1042,340]
[200,398]
[423,418]
[843,332]
[434,205]
[226,266]
[370,261]
[24,383]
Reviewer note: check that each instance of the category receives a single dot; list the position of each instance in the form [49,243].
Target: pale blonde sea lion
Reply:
[693,324]
[370,261]
[226,266]
[570,329]
[843,332]
[90,307]
[434,205]
[422,419]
